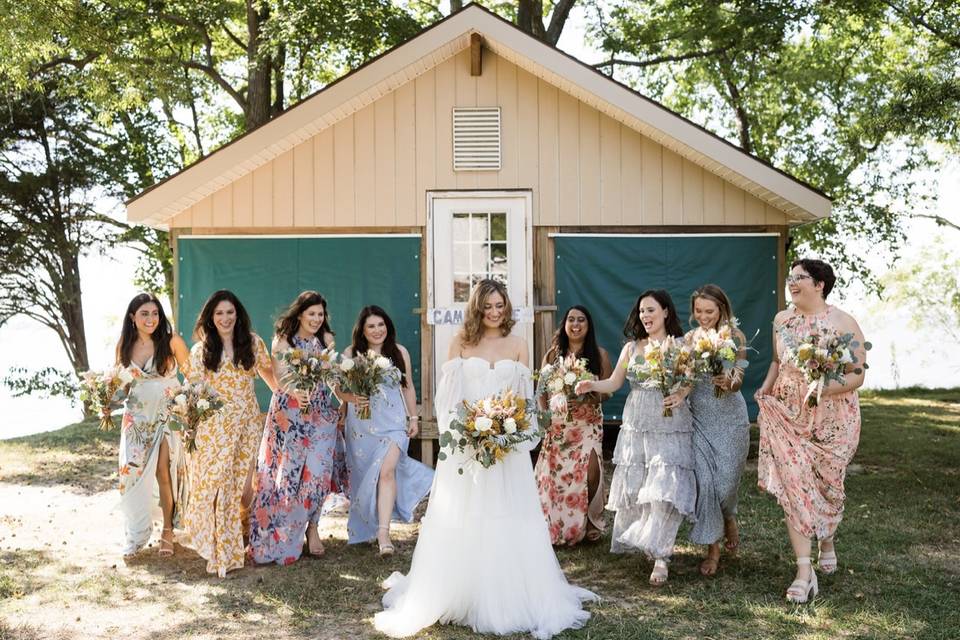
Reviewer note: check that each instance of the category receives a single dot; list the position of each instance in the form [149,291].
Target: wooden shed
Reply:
[475,150]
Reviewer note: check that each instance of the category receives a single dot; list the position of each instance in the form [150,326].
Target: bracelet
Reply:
[412,418]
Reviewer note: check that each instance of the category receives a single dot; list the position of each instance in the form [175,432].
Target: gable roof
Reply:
[156,205]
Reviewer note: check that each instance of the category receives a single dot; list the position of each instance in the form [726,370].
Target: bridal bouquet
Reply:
[715,351]
[190,404]
[305,370]
[558,379]
[821,357]
[363,373]
[105,390]
[490,428]
[665,365]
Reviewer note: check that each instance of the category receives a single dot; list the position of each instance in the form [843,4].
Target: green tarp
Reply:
[605,273]
[268,273]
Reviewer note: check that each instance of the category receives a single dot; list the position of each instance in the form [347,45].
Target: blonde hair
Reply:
[472,329]
[717,296]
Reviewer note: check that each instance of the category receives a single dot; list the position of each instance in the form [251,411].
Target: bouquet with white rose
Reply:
[363,374]
[188,405]
[105,391]
[666,365]
[558,379]
[490,428]
[305,370]
[821,356]
[715,352]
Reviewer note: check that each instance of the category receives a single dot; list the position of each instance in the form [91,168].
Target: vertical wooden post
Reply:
[782,267]
[428,421]
[476,54]
[544,290]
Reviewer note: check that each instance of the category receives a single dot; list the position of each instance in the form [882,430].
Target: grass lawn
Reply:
[899,549]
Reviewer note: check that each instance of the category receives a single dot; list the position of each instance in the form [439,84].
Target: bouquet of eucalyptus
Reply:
[363,374]
[305,370]
[104,391]
[822,356]
[666,365]
[188,405]
[490,428]
[715,352]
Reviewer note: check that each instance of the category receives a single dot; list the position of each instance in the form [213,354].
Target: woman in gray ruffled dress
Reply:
[653,488]
[721,436]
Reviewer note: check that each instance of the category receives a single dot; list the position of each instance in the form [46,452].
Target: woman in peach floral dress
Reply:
[804,451]
[228,356]
[569,470]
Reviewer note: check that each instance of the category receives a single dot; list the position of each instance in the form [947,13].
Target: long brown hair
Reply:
[634,328]
[472,330]
[206,331]
[717,296]
[289,321]
[162,353]
[389,347]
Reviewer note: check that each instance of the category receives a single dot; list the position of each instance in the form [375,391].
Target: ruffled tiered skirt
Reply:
[654,487]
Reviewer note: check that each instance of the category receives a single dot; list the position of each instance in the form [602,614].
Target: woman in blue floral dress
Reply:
[295,464]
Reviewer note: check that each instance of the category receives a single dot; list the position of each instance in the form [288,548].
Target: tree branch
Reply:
[661,59]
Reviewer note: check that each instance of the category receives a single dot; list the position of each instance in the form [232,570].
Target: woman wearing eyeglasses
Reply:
[806,445]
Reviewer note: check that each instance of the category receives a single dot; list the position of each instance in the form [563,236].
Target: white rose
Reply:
[556,385]
[202,404]
[510,425]
[125,376]
[383,362]
[845,355]
[346,364]
[569,378]
[180,399]
[483,423]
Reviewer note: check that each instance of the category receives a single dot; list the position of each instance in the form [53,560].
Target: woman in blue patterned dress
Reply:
[385,482]
[721,436]
[295,462]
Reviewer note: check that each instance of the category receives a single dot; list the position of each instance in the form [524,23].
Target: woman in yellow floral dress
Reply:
[229,357]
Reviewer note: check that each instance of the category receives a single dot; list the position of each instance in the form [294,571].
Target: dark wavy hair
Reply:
[206,331]
[389,348]
[820,271]
[717,296]
[162,353]
[634,328]
[289,321]
[560,344]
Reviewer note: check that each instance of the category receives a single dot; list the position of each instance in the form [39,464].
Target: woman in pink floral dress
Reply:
[569,470]
[804,451]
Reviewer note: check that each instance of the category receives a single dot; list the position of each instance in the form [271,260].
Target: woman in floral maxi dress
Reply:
[295,465]
[804,451]
[228,356]
[152,461]
[569,470]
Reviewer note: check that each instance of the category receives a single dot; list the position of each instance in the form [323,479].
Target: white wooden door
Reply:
[473,236]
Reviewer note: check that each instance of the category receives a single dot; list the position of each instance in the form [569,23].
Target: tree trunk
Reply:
[259,78]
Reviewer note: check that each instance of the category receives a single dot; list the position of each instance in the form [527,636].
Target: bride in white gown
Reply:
[484,557]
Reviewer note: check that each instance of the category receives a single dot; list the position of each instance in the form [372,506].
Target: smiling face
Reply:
[225,317]
[311,319]
[706,312]
[146,318]
[803,290]
[494,311]
[652,315]
[576,325]
[375,330]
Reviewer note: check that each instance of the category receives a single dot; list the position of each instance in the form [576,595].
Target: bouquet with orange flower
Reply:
[821,357]
[666,365]
[305,370]
[490,428]
[188,405]
[715,352]
[558,379]
[104,391]
[363,374]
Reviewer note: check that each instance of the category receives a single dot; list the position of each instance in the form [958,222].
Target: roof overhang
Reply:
[158,204]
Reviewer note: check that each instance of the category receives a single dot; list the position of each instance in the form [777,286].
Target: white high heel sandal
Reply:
[800,591]
[827,560]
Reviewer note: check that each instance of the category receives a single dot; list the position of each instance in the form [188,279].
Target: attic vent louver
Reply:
[476,138]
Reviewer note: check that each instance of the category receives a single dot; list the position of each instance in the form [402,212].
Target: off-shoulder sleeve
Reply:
[449,393]
[523,385]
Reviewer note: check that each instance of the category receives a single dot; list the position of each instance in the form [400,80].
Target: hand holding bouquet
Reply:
[362,374]
[190,404]
[715,353]
[557,380]
[490,428]
[821,357]
[305,370]
[104,391]
[666,365]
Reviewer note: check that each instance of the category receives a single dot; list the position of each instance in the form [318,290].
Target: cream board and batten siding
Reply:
[373,167]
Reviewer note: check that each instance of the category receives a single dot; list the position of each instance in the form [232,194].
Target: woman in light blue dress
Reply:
[385,482]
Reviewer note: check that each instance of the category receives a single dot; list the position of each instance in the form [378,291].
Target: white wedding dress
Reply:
[484,557]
